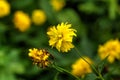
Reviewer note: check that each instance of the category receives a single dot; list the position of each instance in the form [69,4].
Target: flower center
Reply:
[60,36]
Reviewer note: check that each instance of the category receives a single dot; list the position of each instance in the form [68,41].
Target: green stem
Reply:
[64,70]
[56,76]
[92,66]
[101,77]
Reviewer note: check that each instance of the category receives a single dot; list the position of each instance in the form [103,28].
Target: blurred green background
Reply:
[96,21]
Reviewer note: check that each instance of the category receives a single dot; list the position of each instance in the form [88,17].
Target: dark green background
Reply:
[96,22]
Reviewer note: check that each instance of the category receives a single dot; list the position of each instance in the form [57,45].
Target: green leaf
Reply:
[86,46]
[56,76]
[19,4]
[101,65]
[16,67]
[4,75]
[91,8]
[3,28]
[3,58]
[90,76]
[113,4]
[70,16]
[45,5]
[108,76]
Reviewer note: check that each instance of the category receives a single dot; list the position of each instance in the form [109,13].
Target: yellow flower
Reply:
[80,67]
[110,49]
[4,8]
[39,57]
[38,17]
[57,4]
[61,37]
[21,21]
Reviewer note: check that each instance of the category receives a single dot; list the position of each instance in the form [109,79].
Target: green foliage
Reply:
[90,76]
[102,64]
[21,4]
[96,21]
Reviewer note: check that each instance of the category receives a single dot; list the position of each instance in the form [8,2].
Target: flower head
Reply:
[80,67]
[61,37]
[4,8]
[39,57]
[38,17]
[21,21]
[110,49]
[57,4]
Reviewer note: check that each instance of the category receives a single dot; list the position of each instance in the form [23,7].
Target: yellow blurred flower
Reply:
[80,67]
[21,21]
[61,37]
[39,57]
[38,17]
[57,4]
[110,49]
[4,8]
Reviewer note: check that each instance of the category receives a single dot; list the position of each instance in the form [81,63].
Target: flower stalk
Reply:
[64,70]
[91,65]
